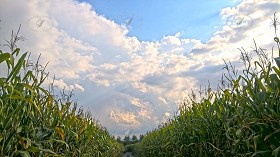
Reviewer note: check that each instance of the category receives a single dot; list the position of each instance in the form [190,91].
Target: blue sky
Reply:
[151,20]
[136,77]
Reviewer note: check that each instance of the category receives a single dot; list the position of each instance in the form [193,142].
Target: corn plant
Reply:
[35,123]
[242,119]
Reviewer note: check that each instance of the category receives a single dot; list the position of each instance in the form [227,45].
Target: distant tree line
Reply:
[129,140]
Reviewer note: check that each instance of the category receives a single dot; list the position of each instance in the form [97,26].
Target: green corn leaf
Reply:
[48,151]
[274,78]
[33,149]
[16,51]
[17,68]
[4,57]
[255,139]
[1,137]
[275,152]
[23,153]
[11,61]
[36,150]
[269,89]
[167,144]
[268,136]
[214,146]
[259,64]
[257,153]
[260,84]
[8,121]
[29,74]
[19,129]
[267,73]
[277,60]
[228,93]
[60,141]
[42,80]
[250,110]
[277,71]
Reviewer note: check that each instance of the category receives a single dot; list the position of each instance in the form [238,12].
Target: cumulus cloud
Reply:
[126,118]
[124,82]
[247,21]
[60,84]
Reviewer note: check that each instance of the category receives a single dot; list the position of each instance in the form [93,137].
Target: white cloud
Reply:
[137,102]
[144,113]
[162,100]
[79,87]
[61,84]
[125,118]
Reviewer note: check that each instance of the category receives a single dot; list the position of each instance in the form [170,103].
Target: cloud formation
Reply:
[124,82]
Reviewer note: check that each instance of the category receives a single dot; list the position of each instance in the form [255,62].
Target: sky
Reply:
[151,20]
[131,64]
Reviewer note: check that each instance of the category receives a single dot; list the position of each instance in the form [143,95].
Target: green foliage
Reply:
[34,123]
[243,120]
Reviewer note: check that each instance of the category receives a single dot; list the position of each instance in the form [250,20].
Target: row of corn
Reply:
[33,122]
[243,120]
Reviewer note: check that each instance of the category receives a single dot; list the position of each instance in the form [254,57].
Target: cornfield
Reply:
[35,123]
[242,119]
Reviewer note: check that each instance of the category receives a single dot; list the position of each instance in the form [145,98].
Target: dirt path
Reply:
[127,154]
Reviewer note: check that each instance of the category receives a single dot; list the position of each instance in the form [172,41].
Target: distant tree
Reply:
[119,139]
[141,137]
[134,138]
[126,139]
